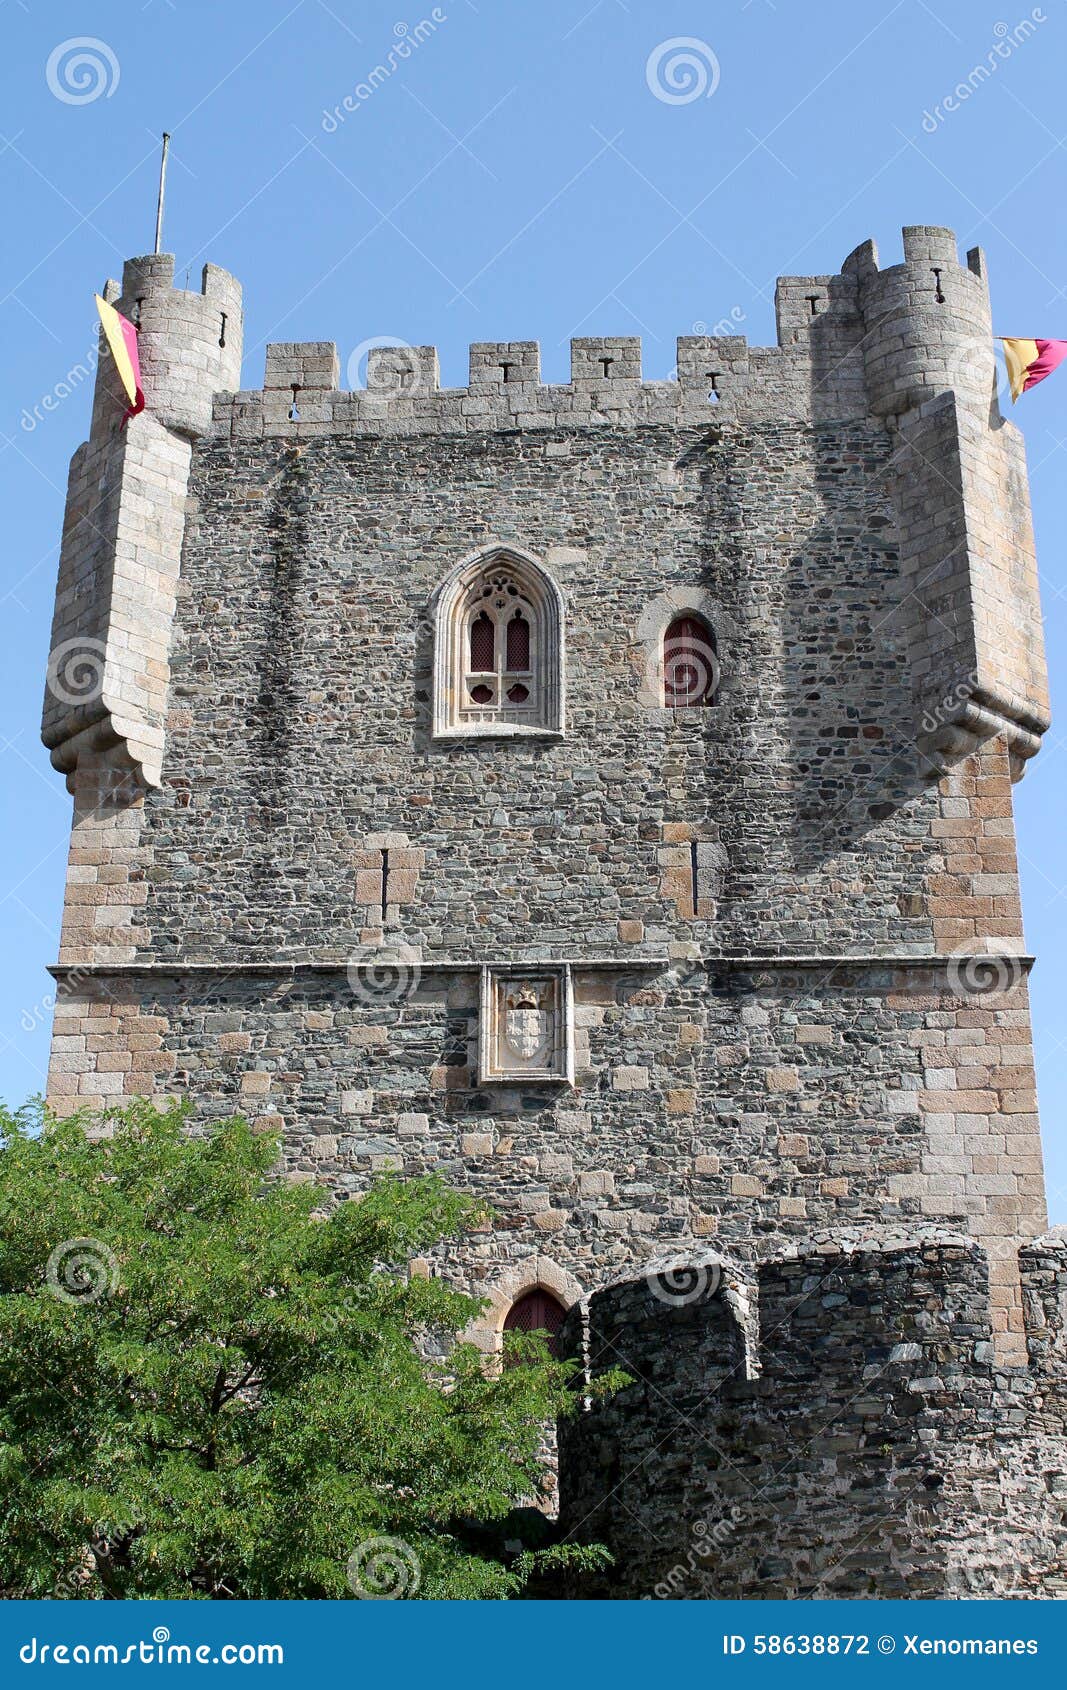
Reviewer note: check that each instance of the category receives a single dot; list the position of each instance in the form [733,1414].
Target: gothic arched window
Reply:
[537,1311]
[690,663]
[498,656]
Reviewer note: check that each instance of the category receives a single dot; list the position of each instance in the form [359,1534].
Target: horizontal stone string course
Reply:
[456,965]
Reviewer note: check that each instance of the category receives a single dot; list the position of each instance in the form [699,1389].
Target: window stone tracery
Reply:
[498,650]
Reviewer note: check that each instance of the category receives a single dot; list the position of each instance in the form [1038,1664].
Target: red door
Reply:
[536,1311]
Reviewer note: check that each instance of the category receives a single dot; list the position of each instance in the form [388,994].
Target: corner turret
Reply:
[926,325]
[125,521]
[969,613]
[189,343]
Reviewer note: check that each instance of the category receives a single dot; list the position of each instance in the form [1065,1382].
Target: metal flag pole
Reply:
[162,190]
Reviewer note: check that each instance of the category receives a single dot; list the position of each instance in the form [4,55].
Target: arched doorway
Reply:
[537,1311]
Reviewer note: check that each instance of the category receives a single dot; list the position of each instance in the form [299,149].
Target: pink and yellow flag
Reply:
[1030,361]
[122,339]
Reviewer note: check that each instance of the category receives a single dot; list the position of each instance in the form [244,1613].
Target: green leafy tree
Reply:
[209,1389]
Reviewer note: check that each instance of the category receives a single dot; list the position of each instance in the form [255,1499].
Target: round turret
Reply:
[189,343]
[926,324]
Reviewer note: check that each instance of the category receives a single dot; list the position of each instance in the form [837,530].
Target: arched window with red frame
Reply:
[537,1311]
[500,683]
[483,644]
[690,664]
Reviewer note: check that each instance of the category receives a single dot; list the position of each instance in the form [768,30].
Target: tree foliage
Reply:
[208,1389]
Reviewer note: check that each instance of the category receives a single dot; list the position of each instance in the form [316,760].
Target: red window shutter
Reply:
[690,665]
[518,643]
[483,644]
[537,1311]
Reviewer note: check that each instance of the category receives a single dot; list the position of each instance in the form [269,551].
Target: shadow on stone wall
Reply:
[878,1452]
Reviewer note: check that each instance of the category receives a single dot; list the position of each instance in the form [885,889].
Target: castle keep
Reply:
[601,794]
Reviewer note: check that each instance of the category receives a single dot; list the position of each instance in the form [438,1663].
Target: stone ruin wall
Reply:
[838,1426]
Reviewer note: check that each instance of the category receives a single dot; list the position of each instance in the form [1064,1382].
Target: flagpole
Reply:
[162,191]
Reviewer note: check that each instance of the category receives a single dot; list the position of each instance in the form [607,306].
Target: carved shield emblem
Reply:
[526,1030]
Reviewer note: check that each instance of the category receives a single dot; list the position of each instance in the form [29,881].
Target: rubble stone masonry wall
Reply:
[859,1440]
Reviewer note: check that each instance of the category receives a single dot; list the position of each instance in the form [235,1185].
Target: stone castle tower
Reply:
[601,794]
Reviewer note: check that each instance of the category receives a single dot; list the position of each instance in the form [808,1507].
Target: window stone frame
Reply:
[548,646]
[649,633]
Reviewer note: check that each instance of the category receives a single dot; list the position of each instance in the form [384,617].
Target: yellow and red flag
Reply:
[1030,361]
[122,339]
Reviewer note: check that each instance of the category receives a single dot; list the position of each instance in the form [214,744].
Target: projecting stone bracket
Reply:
[973,713]
[135,744]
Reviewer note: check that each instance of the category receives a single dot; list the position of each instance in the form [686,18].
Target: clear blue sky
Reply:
[516,178]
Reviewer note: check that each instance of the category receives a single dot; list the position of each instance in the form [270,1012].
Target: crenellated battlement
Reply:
[716,379]
[864,342]
[844,1411]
